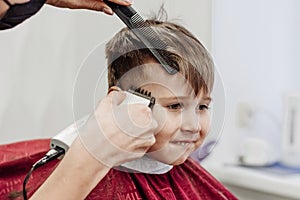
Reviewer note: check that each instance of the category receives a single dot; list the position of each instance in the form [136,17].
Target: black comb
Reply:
[143,31]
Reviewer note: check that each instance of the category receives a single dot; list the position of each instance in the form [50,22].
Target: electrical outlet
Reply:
[244,114]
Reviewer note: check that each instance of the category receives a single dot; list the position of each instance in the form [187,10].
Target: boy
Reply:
[131,151]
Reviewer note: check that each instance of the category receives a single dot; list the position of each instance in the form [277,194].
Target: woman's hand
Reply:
[97,5]
[116,132]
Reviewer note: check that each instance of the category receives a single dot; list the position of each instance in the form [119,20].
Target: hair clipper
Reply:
[66,137]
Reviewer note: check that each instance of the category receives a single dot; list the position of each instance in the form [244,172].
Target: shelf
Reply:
[258,179]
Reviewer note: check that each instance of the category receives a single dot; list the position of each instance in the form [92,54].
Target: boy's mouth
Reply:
[182,143]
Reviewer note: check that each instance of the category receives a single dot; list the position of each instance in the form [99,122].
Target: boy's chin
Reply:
[180,160]
[177,160]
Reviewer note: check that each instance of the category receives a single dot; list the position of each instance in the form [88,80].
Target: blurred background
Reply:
[255,45]
[41,57]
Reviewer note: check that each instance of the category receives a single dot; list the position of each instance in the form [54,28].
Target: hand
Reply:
[117,132]
[97,5]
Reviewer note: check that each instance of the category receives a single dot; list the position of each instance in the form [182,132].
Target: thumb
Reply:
[117,97]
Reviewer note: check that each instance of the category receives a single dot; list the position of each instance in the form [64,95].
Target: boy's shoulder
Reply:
[186,181]
[192,174]
[193,168]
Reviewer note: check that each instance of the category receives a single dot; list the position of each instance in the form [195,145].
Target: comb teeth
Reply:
[143,29]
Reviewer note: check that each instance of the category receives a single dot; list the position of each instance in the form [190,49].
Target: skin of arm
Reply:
[97,5]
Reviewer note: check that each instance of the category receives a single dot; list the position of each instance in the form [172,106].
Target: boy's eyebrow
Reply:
[205,98]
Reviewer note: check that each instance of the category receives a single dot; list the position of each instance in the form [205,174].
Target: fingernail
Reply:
[107,10]
[113,88]
[129,1]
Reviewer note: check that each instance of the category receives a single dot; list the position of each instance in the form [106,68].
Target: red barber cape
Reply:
[186,181]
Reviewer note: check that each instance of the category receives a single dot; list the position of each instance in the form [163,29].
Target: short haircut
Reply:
[186,53]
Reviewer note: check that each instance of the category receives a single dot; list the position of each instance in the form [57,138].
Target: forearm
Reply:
[74,178]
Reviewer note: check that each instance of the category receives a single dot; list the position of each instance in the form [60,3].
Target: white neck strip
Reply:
[147,165]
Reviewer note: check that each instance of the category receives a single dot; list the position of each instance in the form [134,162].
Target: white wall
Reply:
[40,59]
[256,46]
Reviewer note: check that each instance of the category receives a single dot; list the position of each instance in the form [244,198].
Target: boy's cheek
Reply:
[163,138]
[202,135]
[165,118]
[199,142]
[207,128]
[160,115]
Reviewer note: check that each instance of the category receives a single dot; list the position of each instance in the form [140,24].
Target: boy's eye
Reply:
[203,107]
[175,106]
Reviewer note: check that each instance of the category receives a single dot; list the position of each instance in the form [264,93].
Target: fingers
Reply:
[128,116]
[116,97]
[113,88]
[97,5]
[132,119]
[107,10]
[117,132]
[113,146]
[122,2]
[18,1]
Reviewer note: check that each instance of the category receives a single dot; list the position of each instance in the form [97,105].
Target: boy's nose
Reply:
[190,122]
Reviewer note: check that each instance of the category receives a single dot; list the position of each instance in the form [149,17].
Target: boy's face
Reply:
[183,119]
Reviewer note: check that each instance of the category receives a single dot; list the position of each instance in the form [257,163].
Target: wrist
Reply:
[88,170]
[3,8]
[6,4]
[84,159]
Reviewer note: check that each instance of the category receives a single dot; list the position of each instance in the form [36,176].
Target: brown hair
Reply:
[125,52]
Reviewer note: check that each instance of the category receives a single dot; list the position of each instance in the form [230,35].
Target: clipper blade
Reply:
[143,94]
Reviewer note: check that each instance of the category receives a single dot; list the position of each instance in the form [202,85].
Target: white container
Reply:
[291,132]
